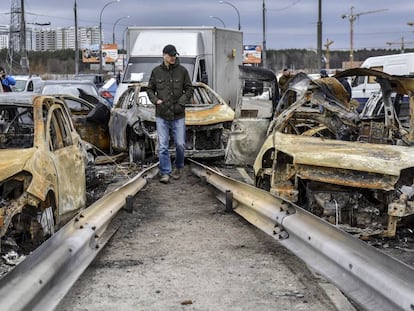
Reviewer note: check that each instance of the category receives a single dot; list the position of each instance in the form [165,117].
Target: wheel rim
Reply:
[46,220]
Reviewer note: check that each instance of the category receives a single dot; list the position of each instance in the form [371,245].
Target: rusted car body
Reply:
[132,124]
[90,120]
[355,170]
[42,166]
[252,117]
[90,111]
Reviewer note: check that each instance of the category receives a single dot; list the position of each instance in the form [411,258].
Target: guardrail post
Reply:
[229,201]
[129,203]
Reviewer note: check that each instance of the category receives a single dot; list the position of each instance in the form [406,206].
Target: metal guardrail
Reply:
[47,274]
[372,279]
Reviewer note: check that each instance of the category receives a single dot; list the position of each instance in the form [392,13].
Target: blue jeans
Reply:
[163,131]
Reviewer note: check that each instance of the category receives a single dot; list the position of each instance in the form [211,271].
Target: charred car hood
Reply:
[13,161]
[208,115]
[373,158]
[193,115]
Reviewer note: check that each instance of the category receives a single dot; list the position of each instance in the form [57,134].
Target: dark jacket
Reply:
[173,86]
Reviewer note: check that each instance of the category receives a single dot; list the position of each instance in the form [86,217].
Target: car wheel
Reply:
[136,151]
[34,225]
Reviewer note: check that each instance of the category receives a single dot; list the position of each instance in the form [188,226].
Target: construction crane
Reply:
[402,44]
[352,17]
[327,56]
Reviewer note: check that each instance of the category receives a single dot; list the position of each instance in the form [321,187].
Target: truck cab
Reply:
[146,54]
[211,55]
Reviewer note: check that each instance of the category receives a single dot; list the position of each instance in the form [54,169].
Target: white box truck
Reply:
[396,64]
[210,54]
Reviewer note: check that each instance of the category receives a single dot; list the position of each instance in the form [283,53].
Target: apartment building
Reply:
[4,36]
[52,39]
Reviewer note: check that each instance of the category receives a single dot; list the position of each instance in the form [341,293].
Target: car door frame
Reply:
[68,160]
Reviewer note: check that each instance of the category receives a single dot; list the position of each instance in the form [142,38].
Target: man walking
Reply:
[170,89]
[283,81]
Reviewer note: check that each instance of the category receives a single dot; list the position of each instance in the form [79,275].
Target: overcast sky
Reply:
[290,23]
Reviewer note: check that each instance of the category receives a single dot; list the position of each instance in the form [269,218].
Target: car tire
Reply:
[136,151]
[36,224]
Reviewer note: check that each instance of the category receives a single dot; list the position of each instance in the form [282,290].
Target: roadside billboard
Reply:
[90,53]
[252,54]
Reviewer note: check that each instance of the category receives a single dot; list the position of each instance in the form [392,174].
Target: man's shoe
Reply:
[165,179]
[176,174]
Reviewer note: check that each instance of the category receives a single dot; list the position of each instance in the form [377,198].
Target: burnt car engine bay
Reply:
[355,170]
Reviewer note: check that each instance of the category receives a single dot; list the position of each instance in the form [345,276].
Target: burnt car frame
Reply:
[90,118]
[42,160]
[132,125]
[354,170]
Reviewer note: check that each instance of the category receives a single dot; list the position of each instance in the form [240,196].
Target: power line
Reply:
[286,7]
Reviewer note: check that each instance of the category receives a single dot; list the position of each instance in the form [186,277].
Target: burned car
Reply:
[354,170]
[90,111]
[132,124]
[90,119]
[42,160]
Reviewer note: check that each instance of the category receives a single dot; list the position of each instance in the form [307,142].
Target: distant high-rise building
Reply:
[4,36]
[52,39]
[44,39]
[88,36]
[48,39]
[65,38]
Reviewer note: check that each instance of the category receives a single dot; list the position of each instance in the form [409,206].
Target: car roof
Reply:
[63,85]
[26,77]
[63,81]
[17,98]
[87,75]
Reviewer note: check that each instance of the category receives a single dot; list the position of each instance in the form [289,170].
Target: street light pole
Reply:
[100,33]
[113,34]
[123,48]
[75,9]
[319,35]
[219,19]
[113,28]
[234,7]
[264,35]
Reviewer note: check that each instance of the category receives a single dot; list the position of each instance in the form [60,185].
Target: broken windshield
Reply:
[139,68]
[16,127]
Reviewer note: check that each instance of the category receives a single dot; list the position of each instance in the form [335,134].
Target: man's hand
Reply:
[159,101]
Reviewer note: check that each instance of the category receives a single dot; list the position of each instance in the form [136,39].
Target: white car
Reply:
[27,83]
